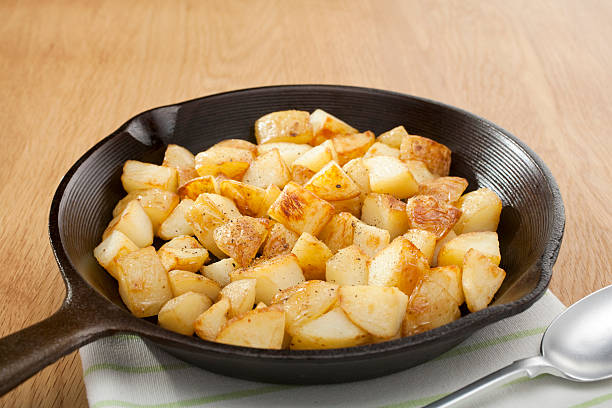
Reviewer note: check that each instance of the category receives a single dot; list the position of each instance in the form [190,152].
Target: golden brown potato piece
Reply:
[389,175]
[381,149]
[267,169]
[241,295]
[208,325]
[157,203]
[143,282]
[184,253]
[449,277]
[377,310]
[419,171]
[305,302]
[386,212]
[330,330]
[430,306]
[238,144]
[480,280]
[305,166]
[288,151]
[444,188]
[198,185]
[359,173]
[258,328]
[424,240]
[370,239]
[249,199]
[338,233]
[284,126]
[352,206]
[175,224]
[179,314]
[393,138]
[435,155]
[351,146]
[453,252]
[280,241]
[349,266]
[325,126]
[481,210]
[208,212]
[272,193]
[401,264]
[429,214]
[185,281]
[113,247]
[134,222]
[143,176]
[441,242]
[182,160]
[272,276]
[301,210]
[331,183]
[240,238]
[230,162]
[312,255]
[219,271]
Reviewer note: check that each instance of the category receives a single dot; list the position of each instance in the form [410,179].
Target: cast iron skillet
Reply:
[530,231]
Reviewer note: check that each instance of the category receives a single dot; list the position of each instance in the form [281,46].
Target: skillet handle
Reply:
[24,353]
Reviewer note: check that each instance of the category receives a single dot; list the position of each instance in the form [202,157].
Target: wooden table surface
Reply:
[71,72]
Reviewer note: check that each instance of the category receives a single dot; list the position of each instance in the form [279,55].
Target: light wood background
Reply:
[71,72]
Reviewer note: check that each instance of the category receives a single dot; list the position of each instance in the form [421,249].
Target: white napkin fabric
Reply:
[122,371]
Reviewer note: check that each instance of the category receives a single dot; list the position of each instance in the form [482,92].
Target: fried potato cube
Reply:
[291,126]
[272,193]
[219,271]
[480,211]
[179,314]
[381,149]
[359,173]
[267,169]
[185,281]
[352,206]
[481,279]
[338,233]
[258,328]
[351,146]
[305,166]
[430,306]
[208,212]
[182,160]
[143,282]
[436,156]
[386,212]
[325,126]
[305,302]
[109,250]
[331,330]
[447,188]
[370,239]
[175,224]
[157,203]
[240,238]
[349,266]
[238,144]
[429,214]
[332,183]
[401,264]
[142,176]
[486,242]
[184,253]
[280,241]
[424,240]
[198,185]
[230,162]
[389,175]
[134,222]
[301,210]
[241,295]
[249,199]
[419,171]
[441,242]
[393,138]
[449,277]
[377,310]
[312,255]
[272,276]
[208,325]
[289,152]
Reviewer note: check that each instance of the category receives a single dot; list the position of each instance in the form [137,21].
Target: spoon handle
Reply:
[531,367]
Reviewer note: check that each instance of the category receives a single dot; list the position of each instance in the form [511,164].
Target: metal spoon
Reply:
[577,346]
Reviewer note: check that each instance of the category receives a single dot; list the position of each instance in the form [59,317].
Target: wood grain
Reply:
[71,72]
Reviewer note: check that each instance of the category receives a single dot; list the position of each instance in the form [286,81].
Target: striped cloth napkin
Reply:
[122,371]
